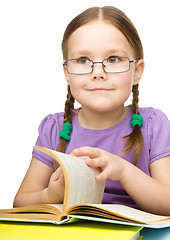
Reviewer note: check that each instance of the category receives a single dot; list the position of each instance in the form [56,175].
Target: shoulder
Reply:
[156,130]
[48,130]
[53,117]
[51,121]
[155,121]
[153,115]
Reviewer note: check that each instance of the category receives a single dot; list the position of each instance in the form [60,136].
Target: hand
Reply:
[111,166]
[56,187]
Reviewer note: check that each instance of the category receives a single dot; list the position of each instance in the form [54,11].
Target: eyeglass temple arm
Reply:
[134,61]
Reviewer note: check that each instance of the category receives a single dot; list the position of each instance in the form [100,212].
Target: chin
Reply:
[102,108]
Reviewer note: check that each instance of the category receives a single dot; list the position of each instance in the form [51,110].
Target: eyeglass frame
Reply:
[92,66]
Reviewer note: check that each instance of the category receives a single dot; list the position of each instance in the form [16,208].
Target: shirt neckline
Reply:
[117,126]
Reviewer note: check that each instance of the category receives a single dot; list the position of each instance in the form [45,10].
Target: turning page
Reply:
[81,186]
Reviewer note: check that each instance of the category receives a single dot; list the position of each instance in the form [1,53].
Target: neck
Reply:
[101,120]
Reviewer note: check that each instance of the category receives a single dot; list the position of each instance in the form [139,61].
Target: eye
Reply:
[113,59]
[83,60]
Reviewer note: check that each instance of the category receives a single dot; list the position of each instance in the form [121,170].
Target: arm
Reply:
[41,184]
[152,194]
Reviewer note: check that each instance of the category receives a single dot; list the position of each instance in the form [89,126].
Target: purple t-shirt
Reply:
[156,134]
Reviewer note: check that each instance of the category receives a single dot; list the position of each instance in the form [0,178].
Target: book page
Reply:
[113,211]
[133,214]
[34,212]
[81,186]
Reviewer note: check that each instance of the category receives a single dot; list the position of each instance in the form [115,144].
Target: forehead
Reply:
[98,37]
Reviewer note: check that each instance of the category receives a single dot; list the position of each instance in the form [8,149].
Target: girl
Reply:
[103,63]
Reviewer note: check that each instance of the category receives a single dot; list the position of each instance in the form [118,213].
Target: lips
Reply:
[100,89]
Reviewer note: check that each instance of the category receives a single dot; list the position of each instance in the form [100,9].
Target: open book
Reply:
[82,200]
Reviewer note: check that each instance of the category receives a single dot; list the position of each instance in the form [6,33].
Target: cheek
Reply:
[76,83]
[124,86]
[124,81]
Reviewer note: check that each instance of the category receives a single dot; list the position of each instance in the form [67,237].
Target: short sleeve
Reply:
[47,138]
[159,135]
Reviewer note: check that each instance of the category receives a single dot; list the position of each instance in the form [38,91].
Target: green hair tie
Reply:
[67,128]
[136,119]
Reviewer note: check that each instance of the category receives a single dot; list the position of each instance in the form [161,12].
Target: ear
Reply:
[139,68]
[67,77]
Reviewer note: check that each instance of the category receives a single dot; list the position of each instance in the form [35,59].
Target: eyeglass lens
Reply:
[110,65]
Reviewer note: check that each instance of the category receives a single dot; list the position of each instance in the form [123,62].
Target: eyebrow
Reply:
[107,52]
[80,52]
[118,51]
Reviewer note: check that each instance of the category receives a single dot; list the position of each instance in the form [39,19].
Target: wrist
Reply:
[125,170]
[44,196]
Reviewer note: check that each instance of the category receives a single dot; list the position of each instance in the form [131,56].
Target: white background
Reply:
[32,83]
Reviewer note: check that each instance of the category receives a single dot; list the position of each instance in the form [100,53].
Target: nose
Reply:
[98,71]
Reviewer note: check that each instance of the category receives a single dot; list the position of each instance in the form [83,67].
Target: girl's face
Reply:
[100,91]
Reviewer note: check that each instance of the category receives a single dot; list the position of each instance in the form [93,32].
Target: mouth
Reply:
[100,89]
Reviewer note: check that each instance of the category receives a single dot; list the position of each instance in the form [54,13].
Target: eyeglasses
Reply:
[112,64]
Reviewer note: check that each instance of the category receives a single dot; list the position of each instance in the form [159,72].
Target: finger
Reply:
[61,178]
[88,151]
[102,176]
[85,157]
[96,162]
[55,176]
[82,157]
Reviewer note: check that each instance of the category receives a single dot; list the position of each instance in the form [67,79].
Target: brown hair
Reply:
[134,141]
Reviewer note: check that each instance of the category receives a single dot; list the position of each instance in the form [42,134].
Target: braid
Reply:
[134,141]
[69,106]
[135,100]
[68,115]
